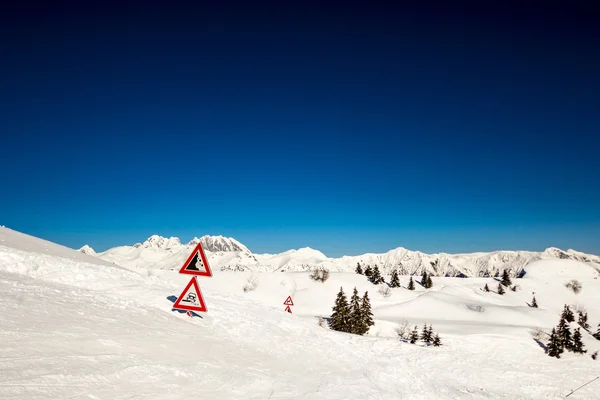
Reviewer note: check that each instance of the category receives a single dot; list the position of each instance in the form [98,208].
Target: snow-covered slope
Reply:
[227,254]
[74,326]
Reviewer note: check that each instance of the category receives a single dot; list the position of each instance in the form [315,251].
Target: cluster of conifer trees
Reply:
[426,336]
[374,276]
[562,339]
[504,282]
[354,316]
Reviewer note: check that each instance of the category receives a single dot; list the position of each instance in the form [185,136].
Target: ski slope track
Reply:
[227,254]
[74,326]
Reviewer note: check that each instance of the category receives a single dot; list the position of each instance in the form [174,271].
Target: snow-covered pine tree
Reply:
[414,335]
[577,343]
[506,279]
[597,334]
[368,272]
[426,334]
[437,341]
[534,303]
[429,283]
[355,320]
[567,314]
[582,321]
[339,317]
[500,289]
[430,333]
[564,333]
[376,277]
[411,284]
[395,281]
[367,314]
[554,345]
[358,269]
[486,288]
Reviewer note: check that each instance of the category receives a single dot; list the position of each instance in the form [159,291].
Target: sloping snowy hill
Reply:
[227,254]
[74,326]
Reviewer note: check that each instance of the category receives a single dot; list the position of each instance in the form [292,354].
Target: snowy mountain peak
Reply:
[87,250]
[159,242]
[219,243]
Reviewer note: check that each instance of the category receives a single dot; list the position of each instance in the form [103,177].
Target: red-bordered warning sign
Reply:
[288,309]
[191,298]
[289,301]
[196,264]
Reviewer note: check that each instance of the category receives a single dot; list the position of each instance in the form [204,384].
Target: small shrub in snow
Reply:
[539,335]
[319,274]
[594,355]
[403,330]
[574,285]
[515,288]
[251,284]
[322,322]
[486,288]
[385,291]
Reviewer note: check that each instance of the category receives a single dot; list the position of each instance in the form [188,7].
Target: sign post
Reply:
[288,302]
[191,298]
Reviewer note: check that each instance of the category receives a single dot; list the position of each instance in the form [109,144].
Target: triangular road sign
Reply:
[196,264]
[288,309]
[289,301]
[191,298]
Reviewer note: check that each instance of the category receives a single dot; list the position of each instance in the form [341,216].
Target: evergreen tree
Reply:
[367,315]
[368,272]
[340,315]
[395,281]
[564,334]
[597,334]
[429,283]
[411,284]
[534,303]
[426,334]
[436,340]
[430,333]
[555,348]
[355,319]
[583,321]
[358,269]
[414,335]
[376,277]
[486,288]
[424,279]
[577,343]
[506,279]
[500,289]
[567,314]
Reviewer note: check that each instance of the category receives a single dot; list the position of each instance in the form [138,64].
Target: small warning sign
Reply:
[191,298]
[288,309]
[196,264]
[289,301]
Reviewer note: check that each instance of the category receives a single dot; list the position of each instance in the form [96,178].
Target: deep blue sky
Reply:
[347,128]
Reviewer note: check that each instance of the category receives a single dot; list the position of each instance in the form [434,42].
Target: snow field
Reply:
[75,328]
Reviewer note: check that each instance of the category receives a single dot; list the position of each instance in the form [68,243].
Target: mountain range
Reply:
[228,254]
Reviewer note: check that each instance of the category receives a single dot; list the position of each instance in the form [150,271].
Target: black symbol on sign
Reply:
[191,298]
[193,266]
